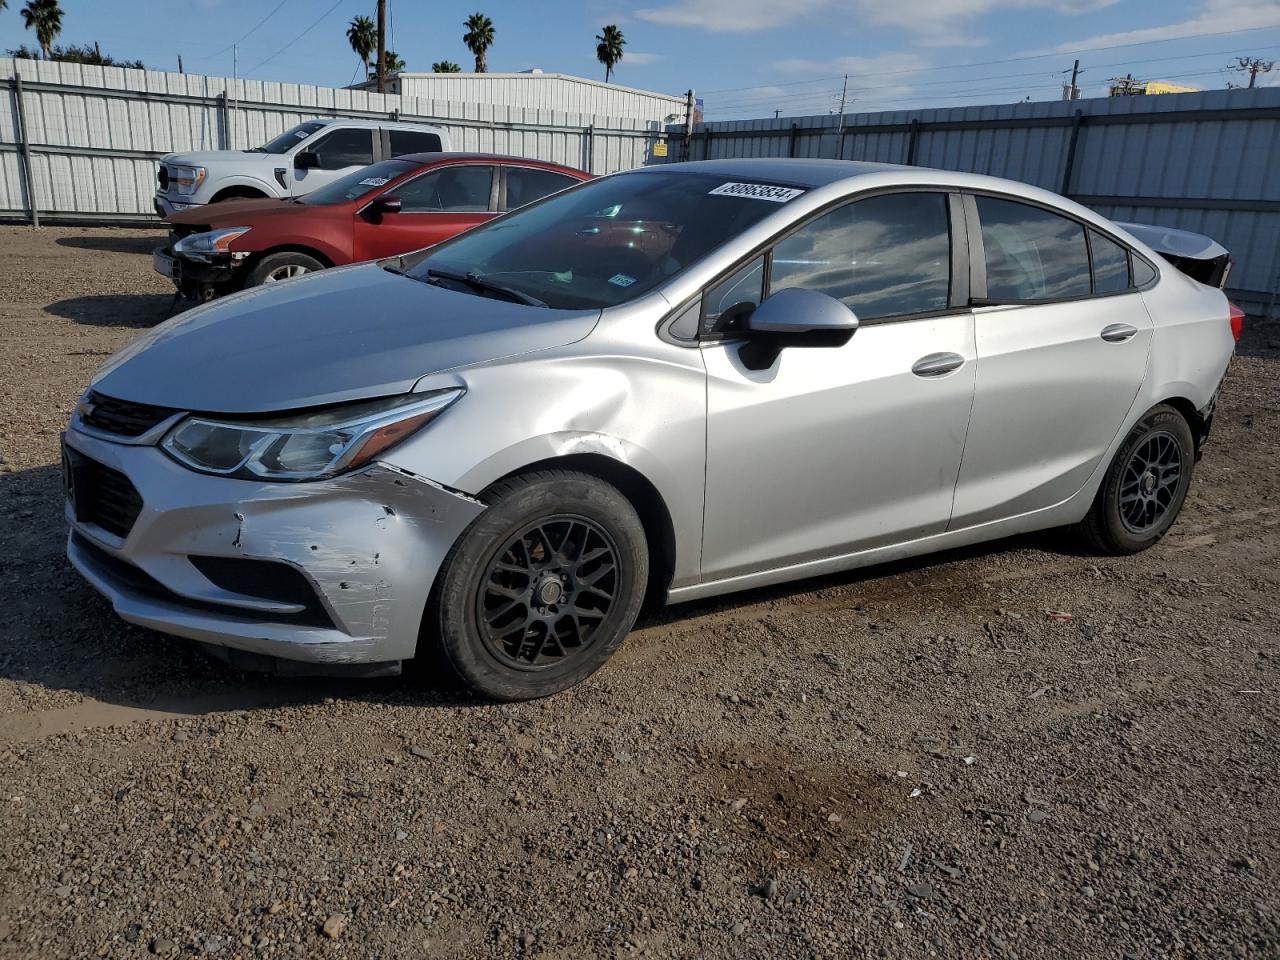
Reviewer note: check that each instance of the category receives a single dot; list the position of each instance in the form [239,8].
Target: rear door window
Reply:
[413,141]
[527,184]
[349,147]
[1032,253]
[1110,264]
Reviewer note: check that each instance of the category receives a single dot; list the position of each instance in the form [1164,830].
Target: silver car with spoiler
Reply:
[670,383]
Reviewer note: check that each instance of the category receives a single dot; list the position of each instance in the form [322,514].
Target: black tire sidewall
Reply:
[1119,537]
[516,504]
[258,272]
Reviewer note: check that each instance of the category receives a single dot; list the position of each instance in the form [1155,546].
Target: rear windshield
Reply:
[355,185]
[608,241]
[290,138]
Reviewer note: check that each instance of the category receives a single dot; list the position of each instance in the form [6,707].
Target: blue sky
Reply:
[744,57]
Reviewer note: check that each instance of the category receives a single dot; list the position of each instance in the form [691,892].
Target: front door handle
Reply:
[1119,332]
[937,364]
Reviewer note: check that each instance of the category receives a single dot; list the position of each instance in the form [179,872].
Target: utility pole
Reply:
[688,124]
[382,46]
[844,96]
[1253,66]
[1071,91]
[180,70]
[777,114]
[235,94]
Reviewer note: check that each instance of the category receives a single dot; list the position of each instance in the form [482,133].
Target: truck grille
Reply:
[100,495]
[163,178]
[120,416]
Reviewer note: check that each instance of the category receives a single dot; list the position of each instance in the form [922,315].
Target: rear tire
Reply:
[285,265]
[1145,486]
[542,588]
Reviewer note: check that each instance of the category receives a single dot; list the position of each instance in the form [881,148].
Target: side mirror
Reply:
[795,317]
[386,204]
[306,160]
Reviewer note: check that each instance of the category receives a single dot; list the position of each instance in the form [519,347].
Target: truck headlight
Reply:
[188,179]
[202,246]
[309,446]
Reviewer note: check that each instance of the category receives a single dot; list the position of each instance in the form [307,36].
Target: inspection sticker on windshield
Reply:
[374,181]
[622,280]
[756,191]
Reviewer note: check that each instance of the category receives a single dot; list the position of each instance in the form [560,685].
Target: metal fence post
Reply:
[28,174]
[224,129]
[589,134]
[1077,119]
[791,145]
[913,139]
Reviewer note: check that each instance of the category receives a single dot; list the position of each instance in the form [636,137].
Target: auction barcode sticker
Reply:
[756,191]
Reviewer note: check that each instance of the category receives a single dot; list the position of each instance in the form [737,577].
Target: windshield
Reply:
[605,242]
[355,185]
[287,140]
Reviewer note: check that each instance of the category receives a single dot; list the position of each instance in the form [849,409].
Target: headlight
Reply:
[188,178]
[307,447]
[202,246]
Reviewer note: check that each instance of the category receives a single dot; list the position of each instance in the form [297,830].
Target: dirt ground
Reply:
[1017,750]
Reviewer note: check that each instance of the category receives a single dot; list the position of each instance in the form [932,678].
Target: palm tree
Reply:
[363,37]
[609,49]
[45,17]
[440,66]
[395,63]
[478,38]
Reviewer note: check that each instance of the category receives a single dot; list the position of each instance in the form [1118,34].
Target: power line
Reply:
[233,43]
[988,63]
[337,3]
[738,102]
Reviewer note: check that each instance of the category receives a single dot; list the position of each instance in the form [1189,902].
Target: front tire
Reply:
[1145,486]
[543,586]
[285,265]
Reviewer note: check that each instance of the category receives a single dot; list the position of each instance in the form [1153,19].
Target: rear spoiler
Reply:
[1193,253]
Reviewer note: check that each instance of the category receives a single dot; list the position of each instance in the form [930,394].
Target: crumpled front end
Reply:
[334,572]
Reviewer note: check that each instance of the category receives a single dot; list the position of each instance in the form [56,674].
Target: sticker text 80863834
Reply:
[757,191]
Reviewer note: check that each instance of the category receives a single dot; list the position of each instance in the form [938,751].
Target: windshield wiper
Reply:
[481,285]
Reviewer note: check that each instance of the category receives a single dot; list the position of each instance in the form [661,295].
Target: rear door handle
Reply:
[937,364]
[1119,332]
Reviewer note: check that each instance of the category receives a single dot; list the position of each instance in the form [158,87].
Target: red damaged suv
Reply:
[383,210]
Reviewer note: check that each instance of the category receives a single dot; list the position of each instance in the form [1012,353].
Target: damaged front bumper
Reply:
[197,280]
[332,573]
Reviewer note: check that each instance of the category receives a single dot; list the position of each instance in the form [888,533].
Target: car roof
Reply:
[443,155]
[389,124]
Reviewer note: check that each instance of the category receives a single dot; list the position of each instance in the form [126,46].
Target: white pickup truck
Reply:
[296,162]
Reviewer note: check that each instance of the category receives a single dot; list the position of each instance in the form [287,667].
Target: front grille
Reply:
[162,176]
[120,416]
[100,495]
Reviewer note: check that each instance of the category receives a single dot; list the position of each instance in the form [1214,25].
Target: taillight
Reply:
[1237,321]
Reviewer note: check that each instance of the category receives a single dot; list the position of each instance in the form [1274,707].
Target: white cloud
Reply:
[1217,16]
[937,22]
[637,59]
[734,16]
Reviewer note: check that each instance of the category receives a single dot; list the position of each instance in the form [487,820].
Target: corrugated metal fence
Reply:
[81,142]
[1207,162]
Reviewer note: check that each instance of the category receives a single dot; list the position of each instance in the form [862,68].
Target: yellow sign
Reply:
[660,148]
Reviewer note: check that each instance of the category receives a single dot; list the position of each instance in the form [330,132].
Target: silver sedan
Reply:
[671,383]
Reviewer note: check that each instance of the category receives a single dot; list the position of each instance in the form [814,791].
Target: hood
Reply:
[236,213]
[347,334]
[203,158]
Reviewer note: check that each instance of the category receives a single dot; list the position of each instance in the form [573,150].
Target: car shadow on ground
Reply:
[143,243]
[59,634]
[138,310]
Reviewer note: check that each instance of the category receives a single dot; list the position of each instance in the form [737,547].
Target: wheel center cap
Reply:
[549,592]
[1148,482]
